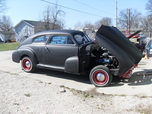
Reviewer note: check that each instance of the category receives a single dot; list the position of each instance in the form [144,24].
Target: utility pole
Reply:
[128,20]
[116,15]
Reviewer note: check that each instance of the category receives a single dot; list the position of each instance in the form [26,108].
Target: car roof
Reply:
[53,32]
[71,32]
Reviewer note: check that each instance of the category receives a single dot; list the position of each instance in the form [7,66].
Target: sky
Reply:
[82,10]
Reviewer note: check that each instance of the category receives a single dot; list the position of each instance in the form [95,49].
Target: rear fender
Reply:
[72,65]
[29,53]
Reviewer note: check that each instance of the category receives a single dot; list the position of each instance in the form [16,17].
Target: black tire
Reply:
[100,76]
[27,64]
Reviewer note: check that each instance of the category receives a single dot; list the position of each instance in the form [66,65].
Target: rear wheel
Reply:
[100,76]
[27,64]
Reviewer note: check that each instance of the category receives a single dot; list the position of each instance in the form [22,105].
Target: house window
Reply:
[61,40]
[40,39]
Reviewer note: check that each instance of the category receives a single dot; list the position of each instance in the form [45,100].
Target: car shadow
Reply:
[63,75]
[141,78]
[138,78]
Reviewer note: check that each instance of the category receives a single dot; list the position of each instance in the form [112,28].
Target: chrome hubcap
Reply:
[100,77]
[28,64]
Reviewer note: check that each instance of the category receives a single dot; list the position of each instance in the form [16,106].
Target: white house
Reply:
[6,36]
[26,28]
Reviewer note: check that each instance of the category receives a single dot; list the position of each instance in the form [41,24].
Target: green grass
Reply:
[8,46]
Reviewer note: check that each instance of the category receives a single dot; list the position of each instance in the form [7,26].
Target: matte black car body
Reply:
[111,55]
[59,57]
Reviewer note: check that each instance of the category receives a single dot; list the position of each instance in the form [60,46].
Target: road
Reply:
[139,85]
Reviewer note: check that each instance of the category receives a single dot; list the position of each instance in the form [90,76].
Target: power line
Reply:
[71,8]
[92,7]
[85,4]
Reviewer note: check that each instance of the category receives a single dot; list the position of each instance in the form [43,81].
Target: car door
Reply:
[38,47]
[59,49]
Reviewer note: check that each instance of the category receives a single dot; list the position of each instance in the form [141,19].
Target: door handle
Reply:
[47,49]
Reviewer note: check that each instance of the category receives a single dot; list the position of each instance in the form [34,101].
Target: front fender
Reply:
[16,56]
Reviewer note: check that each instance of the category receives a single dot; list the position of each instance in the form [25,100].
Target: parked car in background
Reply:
[138,40]
[135,36]
[142,39]
[74,52]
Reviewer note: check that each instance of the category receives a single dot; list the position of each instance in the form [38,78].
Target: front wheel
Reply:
[100,76]
[27,64]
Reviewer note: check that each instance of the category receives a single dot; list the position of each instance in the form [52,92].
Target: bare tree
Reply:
[79,25]
[47,18]
[149,6]
[129,19]
[62,23]
[88,25]
[56,13]
[6,24]
[146,23]
[85,25]
[51,18]
[104,21]
[148,19]
[2,6]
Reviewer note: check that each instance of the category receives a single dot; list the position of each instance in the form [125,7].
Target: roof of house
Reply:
[34,23]
[30,22]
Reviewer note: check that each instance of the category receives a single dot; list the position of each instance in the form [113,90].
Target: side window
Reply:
[40,39]
[61,40]
[81,39]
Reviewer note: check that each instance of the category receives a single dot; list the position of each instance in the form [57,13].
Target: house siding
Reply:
[26,28]
[7,36]
[22,31]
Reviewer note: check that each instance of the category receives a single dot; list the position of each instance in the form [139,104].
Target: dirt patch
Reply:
[21,94]
[144,109]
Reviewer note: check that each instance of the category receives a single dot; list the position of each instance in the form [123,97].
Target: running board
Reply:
[50,67]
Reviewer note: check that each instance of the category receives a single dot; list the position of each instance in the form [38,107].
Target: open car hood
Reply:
[113,40]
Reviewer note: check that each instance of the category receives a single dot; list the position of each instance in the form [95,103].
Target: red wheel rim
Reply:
[27,65]
[100,77]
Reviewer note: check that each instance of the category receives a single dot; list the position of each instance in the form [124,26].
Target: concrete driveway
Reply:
[139,85]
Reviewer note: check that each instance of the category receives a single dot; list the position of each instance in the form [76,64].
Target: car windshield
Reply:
[81,38]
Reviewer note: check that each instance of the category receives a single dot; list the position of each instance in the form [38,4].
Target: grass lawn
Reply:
[8,46]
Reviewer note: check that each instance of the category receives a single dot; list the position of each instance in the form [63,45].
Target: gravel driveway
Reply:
[48,92]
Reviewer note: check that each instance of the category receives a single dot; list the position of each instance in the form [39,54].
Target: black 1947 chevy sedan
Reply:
[111,54]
